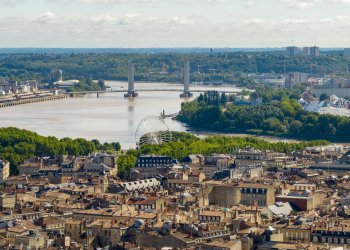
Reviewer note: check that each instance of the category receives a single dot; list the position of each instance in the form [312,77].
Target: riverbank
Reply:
[32,100]
[109,118]
[203,133]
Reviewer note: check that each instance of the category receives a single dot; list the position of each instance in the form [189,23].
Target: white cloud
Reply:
[100,19]
[211,23]
[103,2]
[128,19]
[47,18]
[10,2]
[177,20]
[311,3]
[135,30]
[132,15]
[303,4]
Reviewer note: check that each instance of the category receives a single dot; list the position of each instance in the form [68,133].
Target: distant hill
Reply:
[132,50]
[143,50]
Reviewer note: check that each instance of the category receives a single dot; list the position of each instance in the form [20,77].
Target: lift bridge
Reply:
[131,92]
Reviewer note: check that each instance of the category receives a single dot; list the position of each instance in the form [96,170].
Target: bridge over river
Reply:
[131,92]
[151,90]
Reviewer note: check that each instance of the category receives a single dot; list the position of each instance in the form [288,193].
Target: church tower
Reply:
[103,182]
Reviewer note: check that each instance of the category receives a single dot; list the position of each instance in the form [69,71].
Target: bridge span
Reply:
[131,92]
[152,90]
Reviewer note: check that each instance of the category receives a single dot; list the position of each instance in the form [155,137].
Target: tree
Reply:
[16,145]
[287,108]
[223,99]
[296,127]
[200,98]
[280,115]
[254,95]
[323,97]
[117,146]
[96,142]
[272,124]
[125,164]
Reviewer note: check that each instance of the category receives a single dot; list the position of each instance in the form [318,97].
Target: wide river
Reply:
[107,118]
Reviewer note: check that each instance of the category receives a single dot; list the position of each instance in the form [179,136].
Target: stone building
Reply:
[252,157]
[4,171]
[150,165]
[245,194]
[104,233]
[7,201]
[216,162]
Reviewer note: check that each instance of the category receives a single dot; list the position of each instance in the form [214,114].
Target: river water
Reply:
[108,118]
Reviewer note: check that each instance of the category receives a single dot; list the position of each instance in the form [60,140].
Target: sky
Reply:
[174,23]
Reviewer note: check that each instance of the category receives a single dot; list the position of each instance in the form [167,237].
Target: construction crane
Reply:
[198,68]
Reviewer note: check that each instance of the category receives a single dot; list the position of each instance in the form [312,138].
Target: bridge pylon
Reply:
[186,93]
[131,82]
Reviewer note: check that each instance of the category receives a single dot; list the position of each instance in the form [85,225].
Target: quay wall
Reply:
[32,100]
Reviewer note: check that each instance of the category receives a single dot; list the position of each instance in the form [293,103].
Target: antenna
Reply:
[199,73]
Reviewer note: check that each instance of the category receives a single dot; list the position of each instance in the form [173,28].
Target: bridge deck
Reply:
[155,90]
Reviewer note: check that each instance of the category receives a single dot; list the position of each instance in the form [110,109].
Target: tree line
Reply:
[16,145]
[166,66]
[280,115]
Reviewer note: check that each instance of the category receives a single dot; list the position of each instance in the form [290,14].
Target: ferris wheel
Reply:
[152,130]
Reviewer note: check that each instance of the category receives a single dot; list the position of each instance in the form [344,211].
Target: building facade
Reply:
[4,171]
[247,194]
[295,78]
[150,166]
[292,51]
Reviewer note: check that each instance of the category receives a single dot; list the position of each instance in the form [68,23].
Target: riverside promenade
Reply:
[8,103]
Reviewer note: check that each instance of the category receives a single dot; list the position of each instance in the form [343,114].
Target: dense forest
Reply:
[166,66]
[280,115]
